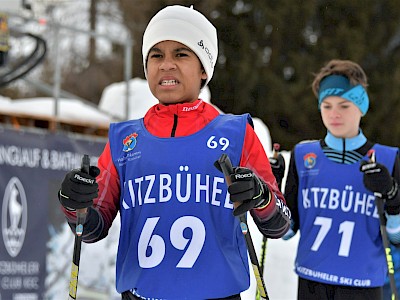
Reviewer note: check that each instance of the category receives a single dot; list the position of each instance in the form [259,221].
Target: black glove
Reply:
[278,168]
[78,189]
[247,189]
[377,179]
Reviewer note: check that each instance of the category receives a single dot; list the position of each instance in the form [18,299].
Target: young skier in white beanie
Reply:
[186,26]
[180,236]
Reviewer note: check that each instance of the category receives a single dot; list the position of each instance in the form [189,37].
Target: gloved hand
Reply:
[78,188]
[278,168]
[377,179]
[247,190]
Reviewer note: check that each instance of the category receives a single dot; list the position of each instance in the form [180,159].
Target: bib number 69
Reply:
[193,246]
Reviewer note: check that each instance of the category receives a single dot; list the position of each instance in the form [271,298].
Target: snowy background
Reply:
[97,260]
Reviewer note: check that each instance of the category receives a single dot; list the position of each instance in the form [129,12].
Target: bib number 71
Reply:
[156,243]
[346,228]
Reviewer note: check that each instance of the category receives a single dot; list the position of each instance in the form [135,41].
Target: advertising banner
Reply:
[32,166]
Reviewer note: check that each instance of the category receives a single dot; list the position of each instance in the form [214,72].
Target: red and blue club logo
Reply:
[130,142]
[310,160]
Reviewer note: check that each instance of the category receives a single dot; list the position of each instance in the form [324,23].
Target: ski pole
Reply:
[80,220]
[263,251]
[385,240]
[226,167]
[264,240]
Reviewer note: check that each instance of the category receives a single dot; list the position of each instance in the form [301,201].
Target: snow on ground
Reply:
[99,258]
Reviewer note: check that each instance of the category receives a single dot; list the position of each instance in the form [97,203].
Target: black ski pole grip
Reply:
[226,167]
[85,165]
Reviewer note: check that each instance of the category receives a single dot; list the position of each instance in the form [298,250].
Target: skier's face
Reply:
[341,117]
[174,73]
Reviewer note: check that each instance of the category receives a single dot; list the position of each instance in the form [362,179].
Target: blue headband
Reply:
[338,85]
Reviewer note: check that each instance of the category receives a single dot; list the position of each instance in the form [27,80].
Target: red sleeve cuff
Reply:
[266,212]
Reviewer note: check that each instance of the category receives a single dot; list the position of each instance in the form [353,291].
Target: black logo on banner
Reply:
[14,216]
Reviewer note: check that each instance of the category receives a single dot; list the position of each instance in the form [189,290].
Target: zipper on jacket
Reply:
[174,126]
[344,151]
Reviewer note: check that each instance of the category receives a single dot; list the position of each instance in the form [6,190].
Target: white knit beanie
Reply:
[186,26]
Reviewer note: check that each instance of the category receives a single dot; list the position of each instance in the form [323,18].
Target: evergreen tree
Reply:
[270,50]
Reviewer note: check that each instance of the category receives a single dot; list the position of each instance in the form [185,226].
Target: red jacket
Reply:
[174,121]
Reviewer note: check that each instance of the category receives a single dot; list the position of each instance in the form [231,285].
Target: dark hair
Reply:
[347,68]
